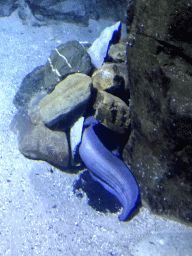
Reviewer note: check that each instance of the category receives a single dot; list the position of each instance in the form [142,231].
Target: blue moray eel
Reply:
[108,170]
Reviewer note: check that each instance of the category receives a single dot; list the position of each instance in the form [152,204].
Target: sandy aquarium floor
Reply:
[39,214]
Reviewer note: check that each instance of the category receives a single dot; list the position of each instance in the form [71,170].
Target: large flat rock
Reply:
[68,101]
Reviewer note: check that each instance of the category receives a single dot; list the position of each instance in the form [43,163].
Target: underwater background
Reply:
[39,212]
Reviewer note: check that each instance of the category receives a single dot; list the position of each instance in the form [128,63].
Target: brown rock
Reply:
[112,112]
[113,78]
[118,52]
[41,143]
[67,102]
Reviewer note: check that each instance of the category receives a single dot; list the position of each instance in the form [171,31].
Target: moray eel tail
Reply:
[109,170]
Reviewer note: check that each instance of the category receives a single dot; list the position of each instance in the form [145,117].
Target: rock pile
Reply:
[54,99]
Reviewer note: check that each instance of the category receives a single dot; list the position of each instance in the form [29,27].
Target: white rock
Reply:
[75,138]
[99,48]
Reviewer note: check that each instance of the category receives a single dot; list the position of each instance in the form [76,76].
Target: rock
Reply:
[113,10]
[117,52]
[67,102]
[41,143]
[66,59]
[112,112]
[159,60]
[7,7]
[74,11]
[100,46]
[33,108]
[45,78]
[75,139]
[26,15]
[71,11]
[112,78]
[32,84]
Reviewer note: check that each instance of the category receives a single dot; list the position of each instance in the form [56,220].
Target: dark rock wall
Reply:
[160,68]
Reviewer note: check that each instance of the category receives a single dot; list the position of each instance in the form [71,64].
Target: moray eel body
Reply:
[108,170]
